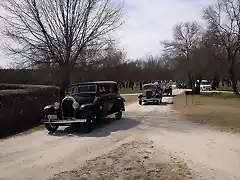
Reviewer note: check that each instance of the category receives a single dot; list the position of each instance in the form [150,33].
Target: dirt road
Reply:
[152,132]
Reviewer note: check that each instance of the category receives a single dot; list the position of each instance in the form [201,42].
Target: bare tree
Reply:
[224,25]
[59,31]
[186,37]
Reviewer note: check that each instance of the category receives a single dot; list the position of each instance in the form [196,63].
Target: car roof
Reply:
[95,82]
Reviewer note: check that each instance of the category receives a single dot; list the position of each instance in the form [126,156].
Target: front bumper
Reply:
[53,119]
[206,88]
[150,99]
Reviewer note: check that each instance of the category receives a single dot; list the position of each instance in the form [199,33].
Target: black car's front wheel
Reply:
[51,128]
[140,102]
[118,116]
[87,127]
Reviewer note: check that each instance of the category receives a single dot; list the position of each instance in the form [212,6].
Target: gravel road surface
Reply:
[150,142]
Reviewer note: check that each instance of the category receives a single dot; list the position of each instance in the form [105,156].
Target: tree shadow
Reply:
[106,127]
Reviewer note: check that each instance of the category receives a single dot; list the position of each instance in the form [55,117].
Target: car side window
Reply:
[107,88]
[104,89]
[101,89]
[113,88]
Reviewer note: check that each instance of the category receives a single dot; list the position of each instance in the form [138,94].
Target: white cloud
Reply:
[150,21]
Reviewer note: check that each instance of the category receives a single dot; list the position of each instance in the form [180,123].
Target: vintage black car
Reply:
[85,105]
[151,93]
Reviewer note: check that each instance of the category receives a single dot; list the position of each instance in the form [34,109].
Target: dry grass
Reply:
[130,98]
[130,90]
[217,109]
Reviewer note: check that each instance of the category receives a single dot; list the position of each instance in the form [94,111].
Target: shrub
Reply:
[21,106]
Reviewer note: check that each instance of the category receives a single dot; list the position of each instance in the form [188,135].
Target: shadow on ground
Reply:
[108,126]
[169,95]
[162,104]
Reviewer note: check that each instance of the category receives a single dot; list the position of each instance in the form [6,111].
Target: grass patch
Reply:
[29,131]
[226,87]
[130,90]
[217,109]
[130,98]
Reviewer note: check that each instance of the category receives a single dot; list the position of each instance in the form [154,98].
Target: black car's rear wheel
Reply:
[118,116]
[140,102]
[51,128]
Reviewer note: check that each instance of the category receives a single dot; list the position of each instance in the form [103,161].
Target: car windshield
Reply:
[164,85]
[91,88]
[205,83]
[150,87]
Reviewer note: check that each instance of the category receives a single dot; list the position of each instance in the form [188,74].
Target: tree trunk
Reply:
[141,84]
[215,83]
[65,80]
[233,80]
[190,82]
[197,87]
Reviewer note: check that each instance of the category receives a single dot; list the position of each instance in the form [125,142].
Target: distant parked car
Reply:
[151,93]
[181,86]
[205,85]
[174,86]
[85,105]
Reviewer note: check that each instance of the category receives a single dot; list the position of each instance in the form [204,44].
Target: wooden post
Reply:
[187,93]
[186,100]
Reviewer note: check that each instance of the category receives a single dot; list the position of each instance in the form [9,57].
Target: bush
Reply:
[21,106]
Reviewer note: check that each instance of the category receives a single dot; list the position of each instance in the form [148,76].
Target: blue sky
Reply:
[147,23]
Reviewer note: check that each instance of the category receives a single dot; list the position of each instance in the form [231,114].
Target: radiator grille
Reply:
[149,94]
[67,108]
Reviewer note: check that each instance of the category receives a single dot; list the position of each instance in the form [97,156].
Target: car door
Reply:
[104,97]
[108,97]
[112,95]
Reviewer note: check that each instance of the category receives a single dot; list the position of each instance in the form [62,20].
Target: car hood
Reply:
[80,99]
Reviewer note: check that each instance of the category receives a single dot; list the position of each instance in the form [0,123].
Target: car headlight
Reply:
[75,105]
[56,105]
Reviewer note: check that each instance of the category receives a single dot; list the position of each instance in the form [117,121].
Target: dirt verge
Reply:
[130,99]
[135,160]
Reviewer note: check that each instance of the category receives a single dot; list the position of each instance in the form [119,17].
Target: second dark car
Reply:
[85,105]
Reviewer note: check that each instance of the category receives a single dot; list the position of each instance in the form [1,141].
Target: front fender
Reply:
[87,106]
[140,96]
[48,108]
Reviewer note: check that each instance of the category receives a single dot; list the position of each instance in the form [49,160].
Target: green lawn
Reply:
[226,87]
[130,90]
